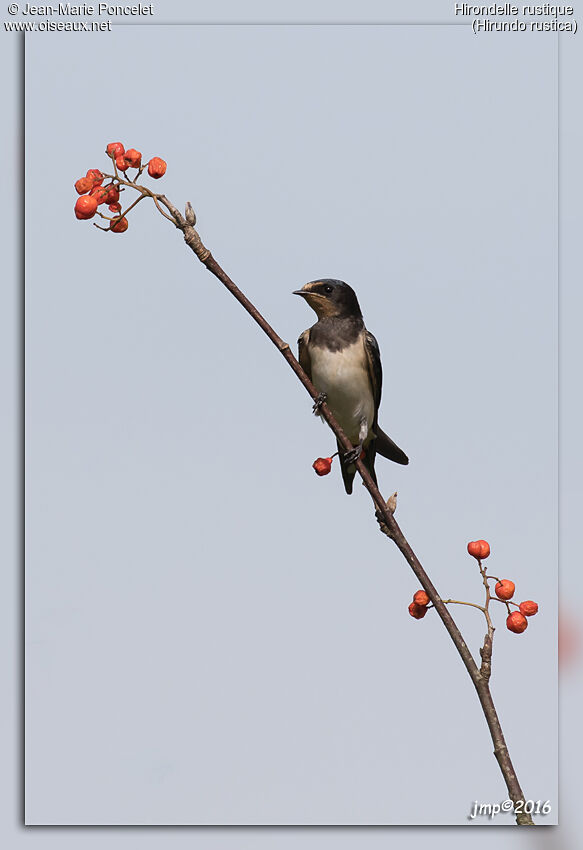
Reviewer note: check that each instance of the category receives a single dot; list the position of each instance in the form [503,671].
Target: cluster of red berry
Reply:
[418,608]
[504,590]
[93,193]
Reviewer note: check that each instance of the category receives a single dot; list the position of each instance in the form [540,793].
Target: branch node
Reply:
[391,507]
[189,214]
[194,242]
[486,654]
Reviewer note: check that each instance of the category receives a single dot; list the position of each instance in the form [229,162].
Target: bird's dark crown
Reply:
[330,298]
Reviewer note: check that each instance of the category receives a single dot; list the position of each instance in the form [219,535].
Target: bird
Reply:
[342,359]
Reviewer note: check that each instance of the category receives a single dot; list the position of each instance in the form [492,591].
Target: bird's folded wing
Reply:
[304,354]
[375,370]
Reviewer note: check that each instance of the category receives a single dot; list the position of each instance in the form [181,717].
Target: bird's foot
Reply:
[317,406]
[353,455]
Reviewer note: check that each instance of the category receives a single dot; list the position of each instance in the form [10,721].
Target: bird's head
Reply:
[330,298]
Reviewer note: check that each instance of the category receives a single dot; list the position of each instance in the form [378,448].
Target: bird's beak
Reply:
[308,293]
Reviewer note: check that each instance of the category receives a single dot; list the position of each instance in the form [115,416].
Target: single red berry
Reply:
[156,167]
[85,207]
[121,164]
[528,608]
[417,611]
[96,175]
[421,598]
[133,158]
[112,194]
[115,149]
[322,465]
[99,193]
[504,589]
[120,225]
[115,207]
[516,622]
[479,549]
[83,185]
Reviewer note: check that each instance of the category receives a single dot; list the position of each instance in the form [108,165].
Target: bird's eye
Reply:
[328,289]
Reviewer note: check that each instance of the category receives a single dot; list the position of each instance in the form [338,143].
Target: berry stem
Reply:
[507,602]
[131,206]
[459,602]
[144,193]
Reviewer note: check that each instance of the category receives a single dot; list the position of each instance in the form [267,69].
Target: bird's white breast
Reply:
[343,376]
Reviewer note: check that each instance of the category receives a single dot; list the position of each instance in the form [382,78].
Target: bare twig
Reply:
[486,649]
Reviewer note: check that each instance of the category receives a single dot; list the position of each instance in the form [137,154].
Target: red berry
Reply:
[421,598]
[85,207]
[133,158]
[83,185]
[115,149]
[322,465]
[417,611]
[516,622]
[99,193]
[156,167]
[479,549]
[96,175]
[504,589]
[114,207]
[121,164]
[112,194]
[528,608]
[120,225]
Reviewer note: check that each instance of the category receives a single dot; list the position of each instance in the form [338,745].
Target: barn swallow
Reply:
[343,361]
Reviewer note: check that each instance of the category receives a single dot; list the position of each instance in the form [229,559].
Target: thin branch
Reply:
[383,511]
[486,649]
[160,210]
